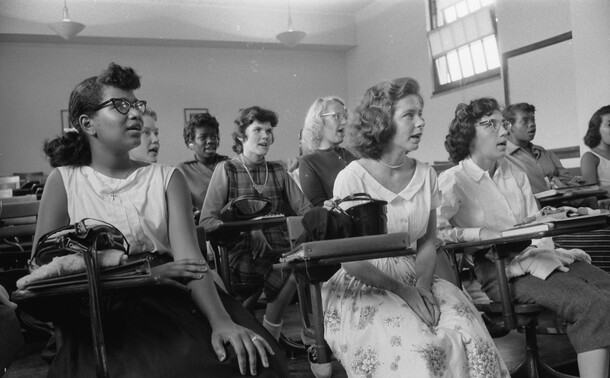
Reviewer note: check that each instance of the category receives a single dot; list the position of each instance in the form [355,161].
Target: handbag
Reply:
[368,218]
[77,238]
[60,297]
[245,207]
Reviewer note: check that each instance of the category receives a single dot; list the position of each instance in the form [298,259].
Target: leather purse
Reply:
[245,207]
[61,297]
[77,238]
[368,217]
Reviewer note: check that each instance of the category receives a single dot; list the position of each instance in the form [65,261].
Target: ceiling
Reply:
[329,24]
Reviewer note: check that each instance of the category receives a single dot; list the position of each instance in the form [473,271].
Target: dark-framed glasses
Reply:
[122,106]
[493,124]
[336,116]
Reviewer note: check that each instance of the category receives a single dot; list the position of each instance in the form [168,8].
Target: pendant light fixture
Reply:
[66,28]
[290,37]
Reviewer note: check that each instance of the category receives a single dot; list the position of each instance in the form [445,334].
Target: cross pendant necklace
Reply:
[259,188]
[113,191]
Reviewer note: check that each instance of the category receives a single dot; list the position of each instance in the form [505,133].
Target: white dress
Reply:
[373,332]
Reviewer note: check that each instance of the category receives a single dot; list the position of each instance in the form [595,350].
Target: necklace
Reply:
[113,191]
[259,188]
[393,166]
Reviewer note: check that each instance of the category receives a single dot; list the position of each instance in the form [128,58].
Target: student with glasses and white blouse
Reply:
[158,333]
[485,194]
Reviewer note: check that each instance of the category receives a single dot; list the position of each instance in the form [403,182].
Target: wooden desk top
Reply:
[571,195]
[571,226]
[231,229]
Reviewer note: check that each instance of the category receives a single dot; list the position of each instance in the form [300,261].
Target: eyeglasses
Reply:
[123,106]
[335,115]
[493,124]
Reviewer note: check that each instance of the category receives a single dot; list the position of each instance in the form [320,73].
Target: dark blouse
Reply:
[318,171]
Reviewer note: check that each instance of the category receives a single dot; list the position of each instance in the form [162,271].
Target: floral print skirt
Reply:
[374,333]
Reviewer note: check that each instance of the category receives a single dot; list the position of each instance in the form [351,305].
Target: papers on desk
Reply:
[349,246]
[567,191]
[527,229]
[554,218]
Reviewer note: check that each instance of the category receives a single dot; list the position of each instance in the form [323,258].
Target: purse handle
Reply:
[351,197]
[82,233]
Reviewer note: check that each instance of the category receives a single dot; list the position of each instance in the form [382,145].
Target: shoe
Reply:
[495,327]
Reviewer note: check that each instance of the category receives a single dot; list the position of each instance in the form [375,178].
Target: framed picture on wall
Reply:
[189,112]
[65,122]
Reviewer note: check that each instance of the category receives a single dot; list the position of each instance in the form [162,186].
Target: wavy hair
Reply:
[72,148]
[593,138]
[372,125]
[245,118]
[312,129]
[462,128]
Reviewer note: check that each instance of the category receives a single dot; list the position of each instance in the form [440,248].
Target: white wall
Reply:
[392,43]
[37,80]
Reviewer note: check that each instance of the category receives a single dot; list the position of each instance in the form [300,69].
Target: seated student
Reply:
[323,133]
[148,150]
[542,167]
[485,194]
[167,332]
[252,255]
[391,317]
[595,164]
[201,134]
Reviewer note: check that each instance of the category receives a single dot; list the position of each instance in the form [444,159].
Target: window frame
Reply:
[476,78]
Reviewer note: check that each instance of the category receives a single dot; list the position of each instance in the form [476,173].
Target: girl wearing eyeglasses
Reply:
[485,194]
[164,332]
[323,132]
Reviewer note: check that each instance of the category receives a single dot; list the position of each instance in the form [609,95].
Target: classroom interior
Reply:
[224,56]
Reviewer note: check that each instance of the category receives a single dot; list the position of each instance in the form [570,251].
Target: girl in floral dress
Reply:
[391,317]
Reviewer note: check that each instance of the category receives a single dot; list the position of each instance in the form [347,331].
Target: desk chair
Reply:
[218,241]
[17,228]
[312,273]
[516,316]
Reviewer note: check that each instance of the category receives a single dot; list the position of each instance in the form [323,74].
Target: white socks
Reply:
[274,329]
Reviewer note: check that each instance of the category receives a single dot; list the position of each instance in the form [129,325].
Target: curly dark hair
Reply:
[510,113]
[593,138]
[196,121]
[72,148]
[372,127]
[245,118]
[462,128]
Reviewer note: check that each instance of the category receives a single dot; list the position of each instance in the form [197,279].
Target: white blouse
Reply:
[137,205]
[472,200]
[408,210]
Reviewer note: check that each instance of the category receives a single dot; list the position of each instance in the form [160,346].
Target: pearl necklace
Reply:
[113,191]
[393,166]
[259,188]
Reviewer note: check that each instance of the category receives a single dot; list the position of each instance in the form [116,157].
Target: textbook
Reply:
[567,191]
[348,246]
[527,229]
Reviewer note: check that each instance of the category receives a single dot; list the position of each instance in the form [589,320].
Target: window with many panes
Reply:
[463,42]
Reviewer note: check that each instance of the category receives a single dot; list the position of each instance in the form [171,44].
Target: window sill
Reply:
[458,85]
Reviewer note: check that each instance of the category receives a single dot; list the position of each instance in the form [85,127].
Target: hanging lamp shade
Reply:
[66,28]
[290,37]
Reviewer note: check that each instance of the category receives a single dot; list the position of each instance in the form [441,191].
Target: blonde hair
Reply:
[312,129]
